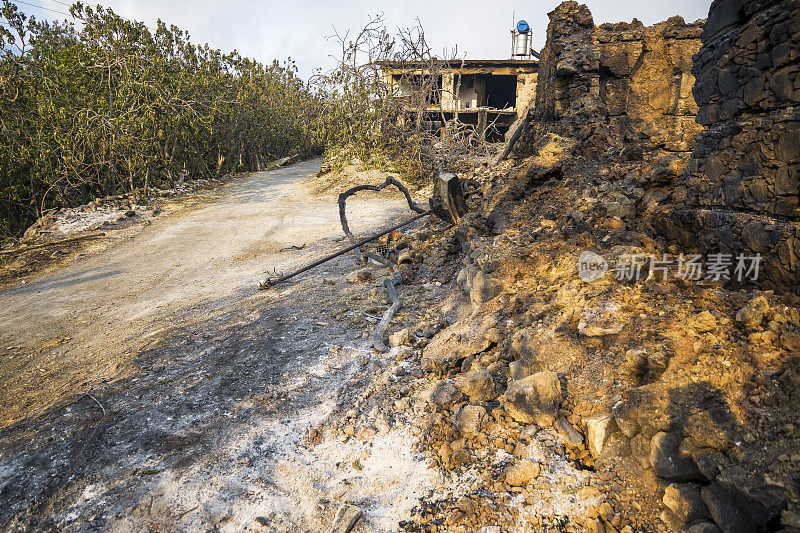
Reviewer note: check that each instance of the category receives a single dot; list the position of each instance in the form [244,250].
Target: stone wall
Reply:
[629,90]
[646,82]
[617,86]
[740,189]
[526,91]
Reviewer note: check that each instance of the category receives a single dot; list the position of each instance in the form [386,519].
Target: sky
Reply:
[270,29]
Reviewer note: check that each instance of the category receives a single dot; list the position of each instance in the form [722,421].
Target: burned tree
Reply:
[397,124]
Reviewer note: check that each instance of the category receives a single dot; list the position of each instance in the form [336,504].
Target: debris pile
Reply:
[595,373]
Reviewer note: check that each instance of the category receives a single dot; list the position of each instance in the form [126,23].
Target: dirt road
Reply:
[150,385]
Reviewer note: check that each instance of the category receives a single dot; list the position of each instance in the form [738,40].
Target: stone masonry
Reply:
[740,189]
[617,86]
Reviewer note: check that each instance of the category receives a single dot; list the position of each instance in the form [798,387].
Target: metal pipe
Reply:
[267,283]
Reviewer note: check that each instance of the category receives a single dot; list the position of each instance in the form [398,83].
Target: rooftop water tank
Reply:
[521,44]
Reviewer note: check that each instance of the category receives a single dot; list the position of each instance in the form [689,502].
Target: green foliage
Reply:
[115,107]
[360,117]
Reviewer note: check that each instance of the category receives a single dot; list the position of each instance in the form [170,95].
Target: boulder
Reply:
[483,288]
[752,314]
[702,527]
[399,338]
[791,341]
[458,341]
[710,429]
[594,525]
[523,368]
[625,417]
[465,276]
[570,435]
[534,399]
[667,461]
[709,461]
[470,420]
[684,500]
[478,385]
[361,275]
[726,510]
[443,395]
[763,502]
[592,327]
[598,429]
[521,473]
[790,519]
[702,322]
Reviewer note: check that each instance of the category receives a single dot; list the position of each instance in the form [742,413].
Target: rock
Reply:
[521,473]
[483,289]
[460,340]
[709,461]
[636,363]
[465,277]
[443,395]
[619,206]
[667,461]
[598,429]
[570,435]
[594,525]
[790,519]
[791,341]
[498,370]
[590,328]
[702,322]
[522,368]
[709,429]
[752,314]
[606,511]
[363,274]
[346,518]
[684,500]
[453,458]
[494,336]
[702,527]
[763,502]
[534,399]
[470,420]
[478,385]
[726,510]
[399,338]
[625,417]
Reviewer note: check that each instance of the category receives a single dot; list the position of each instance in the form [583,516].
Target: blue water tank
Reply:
[522,26]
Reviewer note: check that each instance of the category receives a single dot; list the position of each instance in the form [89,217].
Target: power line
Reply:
[70,15]
[42,7]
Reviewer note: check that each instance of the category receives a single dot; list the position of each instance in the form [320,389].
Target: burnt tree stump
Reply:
[448,201]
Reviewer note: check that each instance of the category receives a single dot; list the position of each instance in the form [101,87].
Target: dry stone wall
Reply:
[740,189]
[619,86]
[627,90]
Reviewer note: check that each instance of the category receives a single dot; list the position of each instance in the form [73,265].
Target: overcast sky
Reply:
[273,29]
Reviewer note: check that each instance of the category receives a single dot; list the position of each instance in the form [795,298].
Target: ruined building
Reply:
[724,149]
[483,93]
[618,85]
